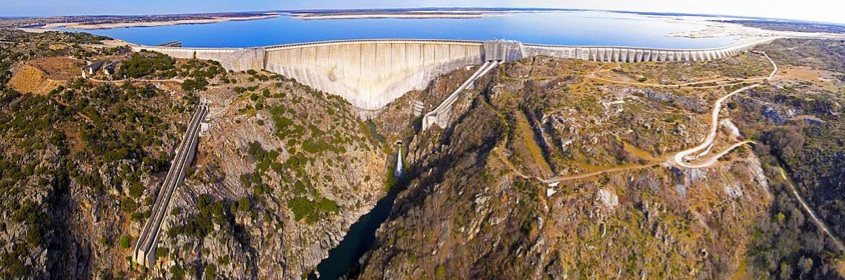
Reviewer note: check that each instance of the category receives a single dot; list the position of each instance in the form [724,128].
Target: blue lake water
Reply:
[558,28]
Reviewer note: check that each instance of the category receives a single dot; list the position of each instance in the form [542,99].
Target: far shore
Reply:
[89,26]
[715,29]
[456,15]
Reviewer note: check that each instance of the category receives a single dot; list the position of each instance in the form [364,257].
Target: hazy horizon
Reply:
[809,10]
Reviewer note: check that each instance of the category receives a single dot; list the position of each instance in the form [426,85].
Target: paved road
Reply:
[144,252]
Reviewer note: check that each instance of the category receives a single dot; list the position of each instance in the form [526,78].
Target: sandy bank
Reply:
[716,29]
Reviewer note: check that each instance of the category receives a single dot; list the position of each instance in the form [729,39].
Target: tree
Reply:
[785,271]
[806,265]
[785,142]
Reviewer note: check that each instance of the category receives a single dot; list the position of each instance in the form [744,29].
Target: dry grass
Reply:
[840,269]
[527,135]
[32,80]
[807,74]
[58,68]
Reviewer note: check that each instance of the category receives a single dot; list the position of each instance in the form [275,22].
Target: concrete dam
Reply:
[372,73]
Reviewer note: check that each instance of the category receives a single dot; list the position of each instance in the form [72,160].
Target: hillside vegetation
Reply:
[613,205]
[281,170]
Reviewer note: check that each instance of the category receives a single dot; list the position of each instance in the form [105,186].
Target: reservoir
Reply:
[580,28]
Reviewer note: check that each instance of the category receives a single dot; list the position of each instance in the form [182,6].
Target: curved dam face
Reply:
[367,73]
[372,73]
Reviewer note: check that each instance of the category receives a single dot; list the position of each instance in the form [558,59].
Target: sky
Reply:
[813,10]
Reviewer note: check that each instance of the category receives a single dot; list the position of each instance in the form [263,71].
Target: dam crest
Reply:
[372,73]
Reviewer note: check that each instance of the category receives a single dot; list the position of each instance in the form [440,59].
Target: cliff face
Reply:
[292,169]
[281,170]
[558,168]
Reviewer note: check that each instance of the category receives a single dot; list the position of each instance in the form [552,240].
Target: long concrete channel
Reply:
[144,253]
[439,115]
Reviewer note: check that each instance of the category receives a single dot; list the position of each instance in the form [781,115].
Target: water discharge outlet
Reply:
[397,173]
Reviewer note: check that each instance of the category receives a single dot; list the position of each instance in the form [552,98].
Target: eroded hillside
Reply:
[559,168]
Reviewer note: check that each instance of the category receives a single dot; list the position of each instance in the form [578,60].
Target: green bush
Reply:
[124,241]
[177,272]
[195,84]
[162,252]
[209,271]
[136,190]
[311,211]
[145,63]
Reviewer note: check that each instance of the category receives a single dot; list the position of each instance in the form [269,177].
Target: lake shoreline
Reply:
[682,32]
[98,26]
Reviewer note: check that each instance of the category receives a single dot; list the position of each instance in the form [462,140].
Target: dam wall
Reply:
[229,58]
[370,74]
[627,54]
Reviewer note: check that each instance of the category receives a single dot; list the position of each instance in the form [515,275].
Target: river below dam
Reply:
[358,239]
[550,27]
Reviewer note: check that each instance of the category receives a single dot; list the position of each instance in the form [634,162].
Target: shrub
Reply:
[441,271]
[177,272]
[162,252]
[136,190]
[124,241]
[145,63]
[209,271]
[195,84]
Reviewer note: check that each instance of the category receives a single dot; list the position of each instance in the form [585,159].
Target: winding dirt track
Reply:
[138,80]
[819,223]
[680,158]
[721,82]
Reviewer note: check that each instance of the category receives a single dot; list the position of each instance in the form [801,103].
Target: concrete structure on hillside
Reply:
[171,44]
[624,54]
[442,114]
[111,68]
[145,248]
[92,68]
[372,73]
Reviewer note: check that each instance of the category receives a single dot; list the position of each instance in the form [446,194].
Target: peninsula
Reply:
[108,22]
